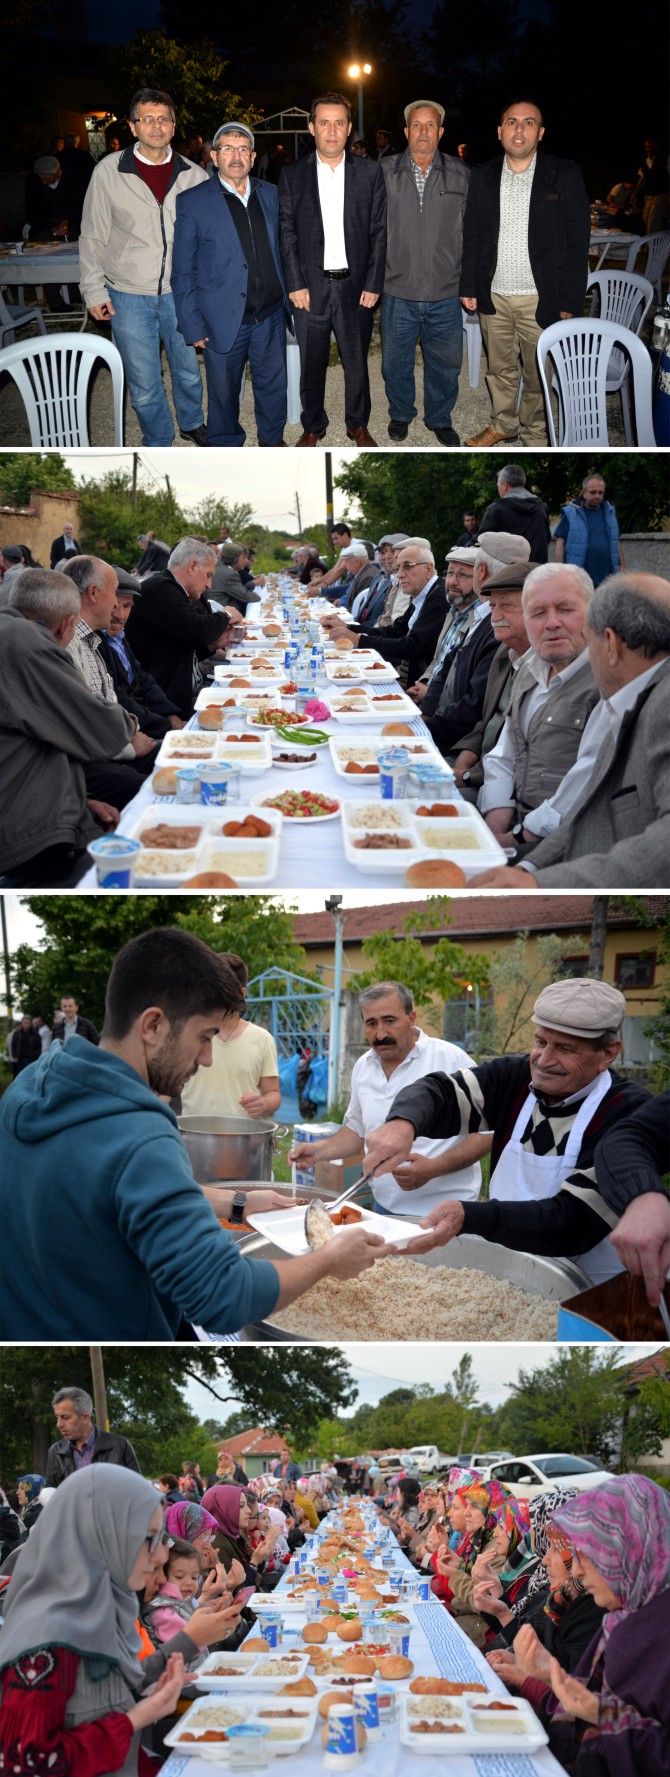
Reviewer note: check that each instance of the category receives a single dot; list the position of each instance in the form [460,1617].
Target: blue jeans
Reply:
[139,324]
[439,327]
[263,346]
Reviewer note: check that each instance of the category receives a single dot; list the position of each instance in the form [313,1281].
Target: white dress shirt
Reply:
[604,720]
[242,195]
[331,198]
[420,600]
[372,1095]
[498,787]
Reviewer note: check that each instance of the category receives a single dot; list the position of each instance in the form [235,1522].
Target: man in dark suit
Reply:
[65,546]
[525,265]
[410,641]
[173,627]
[136,689]
[229,290]
[333,245]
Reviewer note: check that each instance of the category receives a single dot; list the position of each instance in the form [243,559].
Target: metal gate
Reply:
[298,1012]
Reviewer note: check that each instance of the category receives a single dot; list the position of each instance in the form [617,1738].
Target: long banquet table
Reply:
[50,264]
[437,1646]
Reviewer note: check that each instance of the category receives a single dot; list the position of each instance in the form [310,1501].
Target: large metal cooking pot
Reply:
[230,1148]
[554,1279]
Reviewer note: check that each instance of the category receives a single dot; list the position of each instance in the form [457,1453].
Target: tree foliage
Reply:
[516,976]
[192,73]
[573,1403]
[109,524]
[424,494]
[443,969]
[288,1389]
[21,471]
[83,934]
[647,1421]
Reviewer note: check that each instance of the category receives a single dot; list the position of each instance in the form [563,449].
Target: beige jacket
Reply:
[473,1624]
[126,237]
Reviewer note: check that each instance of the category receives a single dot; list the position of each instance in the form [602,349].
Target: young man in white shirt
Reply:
[399,1053]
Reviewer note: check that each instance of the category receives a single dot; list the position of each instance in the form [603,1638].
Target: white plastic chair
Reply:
[658,246]
[472,335]
[12,316]
[53,375]
[580,352]
[625,299]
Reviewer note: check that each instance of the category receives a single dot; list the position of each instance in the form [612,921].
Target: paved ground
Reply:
[471,414]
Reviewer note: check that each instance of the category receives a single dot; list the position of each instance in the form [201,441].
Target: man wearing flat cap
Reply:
[548,1111]
[53,199]
[453,696]
[136,689]
[426,193]
[502,593]
[229,289]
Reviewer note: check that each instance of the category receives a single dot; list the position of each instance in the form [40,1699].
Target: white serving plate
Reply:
[267,728]
[305,764]
[471,1741]
[286,1228]
[314,820]
[262,854]
[249,757]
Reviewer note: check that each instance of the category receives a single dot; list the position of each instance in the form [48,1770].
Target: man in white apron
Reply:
[548,1111]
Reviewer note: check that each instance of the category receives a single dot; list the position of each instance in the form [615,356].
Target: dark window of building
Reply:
[573,966]
[635,971]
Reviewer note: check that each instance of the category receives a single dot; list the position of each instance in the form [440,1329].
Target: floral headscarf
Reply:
[624,1528]
[461,1477]
[32,1485]
[260,1485]
[561,1596]
[540,1512]
[488,1497]
[188,1521]
[515,1518]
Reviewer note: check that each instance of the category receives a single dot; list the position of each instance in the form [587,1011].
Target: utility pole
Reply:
[297,507]
[133,496]
[5,956]
[329,491]
[598,935]
[99,1390]
[334,906]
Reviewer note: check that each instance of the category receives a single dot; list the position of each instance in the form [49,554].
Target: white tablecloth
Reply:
[437,1645]
[57,265]
[310,856]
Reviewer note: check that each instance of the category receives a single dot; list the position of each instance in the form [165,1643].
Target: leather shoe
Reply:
[398,428]
[362,438]
[279,444]
[484,440]
[309,439]
[198,436]
[445,435]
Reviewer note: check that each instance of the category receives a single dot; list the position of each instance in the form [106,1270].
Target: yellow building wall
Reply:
[38,523]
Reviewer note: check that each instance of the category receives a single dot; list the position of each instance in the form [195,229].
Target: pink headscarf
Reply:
[188,1521]
[223,1501]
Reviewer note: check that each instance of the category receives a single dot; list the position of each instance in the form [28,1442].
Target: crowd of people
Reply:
[195,250]
[113,1588]
[544,684]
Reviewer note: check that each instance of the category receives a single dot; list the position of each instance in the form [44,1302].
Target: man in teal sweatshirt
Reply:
[106,1234]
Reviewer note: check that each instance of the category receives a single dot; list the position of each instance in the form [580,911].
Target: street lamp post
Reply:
[357,72]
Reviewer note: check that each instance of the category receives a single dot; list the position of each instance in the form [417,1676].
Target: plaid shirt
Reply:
[420,178]
[84,650]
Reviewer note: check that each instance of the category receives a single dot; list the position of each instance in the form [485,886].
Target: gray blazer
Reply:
[619,835]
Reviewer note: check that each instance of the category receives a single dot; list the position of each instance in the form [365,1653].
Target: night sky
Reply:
[116,22]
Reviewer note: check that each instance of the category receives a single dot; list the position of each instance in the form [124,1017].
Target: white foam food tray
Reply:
[249,756]
[365,749]
[496,1739]
[252,1679]
[251,863]
[286,1228]
[465,839]
[250,1710]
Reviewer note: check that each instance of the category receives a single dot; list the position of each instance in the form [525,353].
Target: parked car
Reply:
[528,1476]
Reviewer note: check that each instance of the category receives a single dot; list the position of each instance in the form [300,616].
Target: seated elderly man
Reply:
[175,628]
[382,592]
[228,586]
[617,833]
[503,594]
[135,688]
[51,728]
[553,694]
[409,642]
[453,696]
[117,780]
[399,1053]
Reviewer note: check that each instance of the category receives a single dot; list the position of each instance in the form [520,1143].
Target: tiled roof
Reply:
[471,916]
[255,1442]
[656,1365]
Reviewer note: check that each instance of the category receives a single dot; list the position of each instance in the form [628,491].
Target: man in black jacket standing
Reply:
[525,265]
[70,1022]
[81,1442]
[173,627]
[332,208]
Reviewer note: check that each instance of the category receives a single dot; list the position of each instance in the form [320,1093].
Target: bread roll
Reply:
[210,879]
[330,1697]
[210,717]
[314,1632]
[350,1629]
[395,1666]
[358,1663]
[397,728]
[164,781]
[435,873]
[255,1644]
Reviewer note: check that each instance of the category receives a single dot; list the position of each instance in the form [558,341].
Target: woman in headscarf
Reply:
[28,1488]
[613,1715]
[230,1509]
[192,1524]
[72,1685]
[518,1594]
[484,1502]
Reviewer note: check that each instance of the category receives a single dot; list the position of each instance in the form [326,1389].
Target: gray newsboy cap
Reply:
[418,104]
[232,129]
[509,579]
[127,583]
[581,1008]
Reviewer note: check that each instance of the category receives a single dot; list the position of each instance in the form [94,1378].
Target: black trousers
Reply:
[341,314]
[115,782]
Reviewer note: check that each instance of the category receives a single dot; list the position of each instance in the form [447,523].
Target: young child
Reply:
[175,1599]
